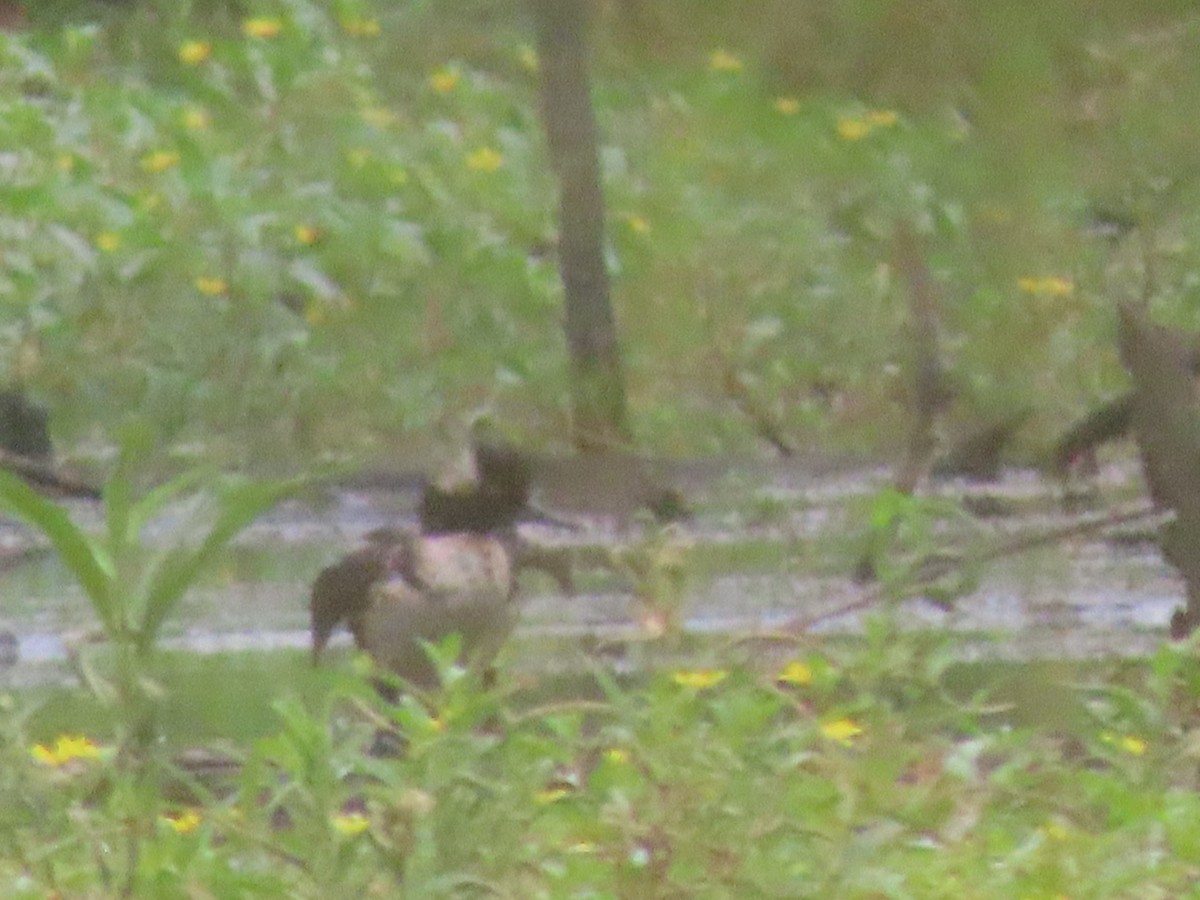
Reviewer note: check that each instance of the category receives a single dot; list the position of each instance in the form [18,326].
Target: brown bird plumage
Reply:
[1166,420]
[403,587]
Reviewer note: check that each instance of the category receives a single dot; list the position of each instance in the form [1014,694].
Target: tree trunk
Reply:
[597,381]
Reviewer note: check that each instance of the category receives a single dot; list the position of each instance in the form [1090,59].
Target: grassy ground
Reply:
[873,768]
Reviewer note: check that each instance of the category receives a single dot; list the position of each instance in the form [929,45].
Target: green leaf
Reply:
[88,562]
[178,570]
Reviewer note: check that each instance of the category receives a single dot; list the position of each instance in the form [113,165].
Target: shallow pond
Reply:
[769,547]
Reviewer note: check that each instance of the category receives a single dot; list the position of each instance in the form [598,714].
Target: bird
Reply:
[456,573]
[1165,416]
[976,456]
[26,449]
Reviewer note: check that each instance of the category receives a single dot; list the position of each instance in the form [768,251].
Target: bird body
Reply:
[463,585]
[1166,421]
[404,588]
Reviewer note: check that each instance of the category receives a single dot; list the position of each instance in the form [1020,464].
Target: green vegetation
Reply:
[333,232]
[872,768]
[132,589]
[282,230]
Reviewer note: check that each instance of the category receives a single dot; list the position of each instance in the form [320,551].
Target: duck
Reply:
[26,450]
[1165,418]
[455,573]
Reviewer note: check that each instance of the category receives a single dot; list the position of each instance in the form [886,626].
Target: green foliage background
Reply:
[740,225]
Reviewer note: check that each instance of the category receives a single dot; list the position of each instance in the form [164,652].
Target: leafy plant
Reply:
[133,586]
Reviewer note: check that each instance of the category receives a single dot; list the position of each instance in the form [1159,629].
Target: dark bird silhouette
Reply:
[1107,422]
[456,574]
[26,450]
[1112,420]
[1166,422]
[976,456]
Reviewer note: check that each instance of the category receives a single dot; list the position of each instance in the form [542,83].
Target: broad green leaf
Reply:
[88,562]
[153,502]
[135,440]
[239,506]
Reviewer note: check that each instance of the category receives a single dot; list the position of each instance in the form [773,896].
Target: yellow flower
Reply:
[844,731]
[195,118]
[551,795]
[637,224]
[444,79]
[261,28]
[359,27]
[307,234]
[68,747]
[350,824]
[182,822]
[1056,830]
[882,118]
[64,162]
[1134,746]
[852,129]
[210,286]
[378,116]
[159,161]
[1052,286]
[723,61]
[528,59]
[617,755]
[787,106]
[108,241]
[699,679]
[485,159]
[192,53]
[796,672]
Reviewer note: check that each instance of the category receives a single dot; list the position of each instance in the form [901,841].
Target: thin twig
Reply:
[1014,546]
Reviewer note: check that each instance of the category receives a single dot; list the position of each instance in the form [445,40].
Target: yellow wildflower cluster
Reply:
[445,79]
[378,116]
[721,60]
[262,28]
[855,128]
[108,241]
[307,234]
[551,795]
[350,824]
[192,53]
[211,286]
[528,58]
[485,159]
[1129,743]
[844,731]
[195,118]
[184,822]
[796,672]
[159,161]
[358,157]
[1052,286]
[67,748]
[637,224]
[699,679]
